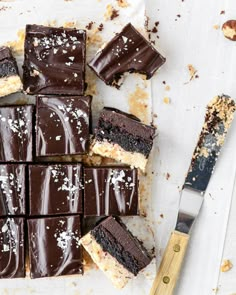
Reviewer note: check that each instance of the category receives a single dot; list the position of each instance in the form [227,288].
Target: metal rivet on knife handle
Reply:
[176,248]
[166,280]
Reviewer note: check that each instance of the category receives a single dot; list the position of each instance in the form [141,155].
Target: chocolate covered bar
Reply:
[55,189]
[54,248]
[12,189]
[110,191]
[62,125]
[16,127]
[54,60]
[116,251]
[123,137]
[129,52]
[12,248]
[10,81]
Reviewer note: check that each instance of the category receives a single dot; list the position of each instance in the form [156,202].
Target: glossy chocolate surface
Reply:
[12,248]
[55,189]
[8,65]
[126,130]
[54,60]
[114,238]
[54,246]
[110,191]
[12,189]
[62,125]
[128,51]
[16,133]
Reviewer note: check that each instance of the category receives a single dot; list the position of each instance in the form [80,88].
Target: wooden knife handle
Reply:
[170,267]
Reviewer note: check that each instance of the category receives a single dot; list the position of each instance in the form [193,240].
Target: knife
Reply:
[218,118]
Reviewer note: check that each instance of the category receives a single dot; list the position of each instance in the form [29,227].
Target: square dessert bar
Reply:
[12,249]
[116,251]
[54,248]
[123,137]
[110,191]
[54,60]
[16,127]
[62,125]
[129,52]
[10,81]
[55,189]
[12,189]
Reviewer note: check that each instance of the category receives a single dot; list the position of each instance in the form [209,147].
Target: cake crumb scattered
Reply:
[89,25]
[192,72]
[167,88]
[216,27]
[69,24]
[93,37]
[122,3]
[167,176]
[162,215]
[110,13]
[226,265]
[17,46]
[138,101]
[166,100]
[222,12]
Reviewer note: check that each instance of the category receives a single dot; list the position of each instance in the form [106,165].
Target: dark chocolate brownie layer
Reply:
[115,239]
[8,66]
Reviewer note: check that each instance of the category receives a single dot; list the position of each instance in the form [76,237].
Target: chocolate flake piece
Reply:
[10,81]
[12,248]
[219,116]
[12,189]
[62,125]
[123,137]
[16,133]
[110,191]
[116,251]
[55,189]
[129,52]
[54,248]
[54,60]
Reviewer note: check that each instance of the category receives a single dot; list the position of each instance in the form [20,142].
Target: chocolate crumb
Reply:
[154,30]
[164,82]
[100,27]
[196,76]
[114,14]
[89,25]
[156,24]
[178,15]
[162,215]
[167,176]
[222,12]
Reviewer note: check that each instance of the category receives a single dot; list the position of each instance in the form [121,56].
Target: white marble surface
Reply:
[189,39]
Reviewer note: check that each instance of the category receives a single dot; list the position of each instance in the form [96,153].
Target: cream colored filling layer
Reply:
[116,152]
[10,85]
[107,263]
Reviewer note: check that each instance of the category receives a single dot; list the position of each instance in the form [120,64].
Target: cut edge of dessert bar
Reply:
[10,81]
[123,137]
[116,251]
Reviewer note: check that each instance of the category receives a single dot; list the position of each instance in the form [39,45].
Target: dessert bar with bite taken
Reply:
[16,133]
[62,125]
[116,251]
[54,60]
[12,189]
[110,191]
[123,137]
[129,52]
[12,248]
[10,81]
[55,189]
[54,248]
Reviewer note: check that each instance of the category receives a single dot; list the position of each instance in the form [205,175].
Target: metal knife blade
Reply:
[218,118]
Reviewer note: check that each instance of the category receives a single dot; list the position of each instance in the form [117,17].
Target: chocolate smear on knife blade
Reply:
[218,118]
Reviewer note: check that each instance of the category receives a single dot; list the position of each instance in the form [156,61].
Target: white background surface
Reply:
[189,40]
